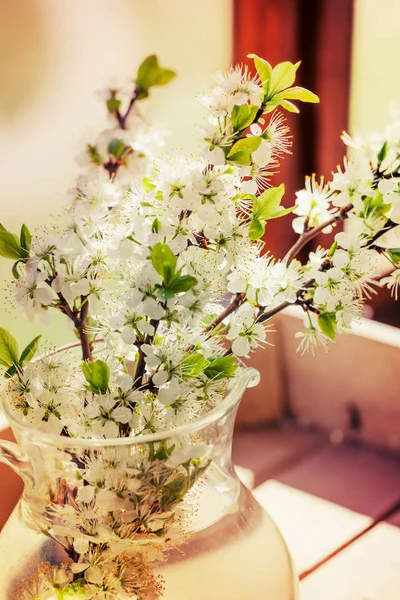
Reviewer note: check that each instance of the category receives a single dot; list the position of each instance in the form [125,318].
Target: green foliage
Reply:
[282,77]
[264,70]
[241,151]
[164,261]
[277,83]
[163,452]
[242,116]
[394,254]
[73,591]
[25,239]
[155,228]
[332,249]
[10,245]
[383,152]
[181,283]
[9,352]
[116,148]
[8,349]
[150,74]
[94,155]
[327,324]
[297,93]
[30,350]
[374,205]
[174,491]
[97,374]
[221,367]
[193,364]
[267,206]
[113,103]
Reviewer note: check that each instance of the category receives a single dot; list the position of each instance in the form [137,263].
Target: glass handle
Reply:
[12,455]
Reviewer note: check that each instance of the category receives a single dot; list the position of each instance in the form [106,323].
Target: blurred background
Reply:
[55,55]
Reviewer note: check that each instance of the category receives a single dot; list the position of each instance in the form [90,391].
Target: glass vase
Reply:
[153,516]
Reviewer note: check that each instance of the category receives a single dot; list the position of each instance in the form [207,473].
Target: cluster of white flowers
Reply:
[159,265]
[146,258]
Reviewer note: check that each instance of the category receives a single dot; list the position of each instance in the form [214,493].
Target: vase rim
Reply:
[249,377]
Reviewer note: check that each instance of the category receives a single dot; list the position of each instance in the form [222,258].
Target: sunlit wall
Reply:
[375,79]
[53,56]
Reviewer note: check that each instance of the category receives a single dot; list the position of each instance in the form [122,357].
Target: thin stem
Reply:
[264,316]
[82,330]
[141,364]
[232,307]
[78,319]
[309,235]
[123,118]
[389,225]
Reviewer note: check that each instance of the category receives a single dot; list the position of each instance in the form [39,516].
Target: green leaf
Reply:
[268,202]
[394,254]
[113,104]
[94,155]
[221,368]
[327,324]
[174,491]
[332,249]
[150,74]
[256,229]
[14,269]
[282,212]
[9,245]
[163,451]
[116,147]
[30,351]
[283,76]
[182,283]
[97,374]
[267,206]
[289,106]
[164,261]
[193,364]
[25,240]
[10,371]
[156,225]
[242,116]
[264,69]
[383,152]
[8,349]
[375,205]
[241,151]
[297,93]
[73,591]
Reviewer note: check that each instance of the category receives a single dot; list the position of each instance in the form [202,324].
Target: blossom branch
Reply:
[310,234]
[232,307]
[78,319]
[292,253]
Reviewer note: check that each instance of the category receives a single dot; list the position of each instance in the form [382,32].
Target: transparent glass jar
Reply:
[154,516]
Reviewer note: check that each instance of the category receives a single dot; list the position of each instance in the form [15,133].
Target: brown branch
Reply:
[309,235]
[78,319]
[388,227]
[82,330]
[232,307]
[264,316]
[123,118]
[141,364]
